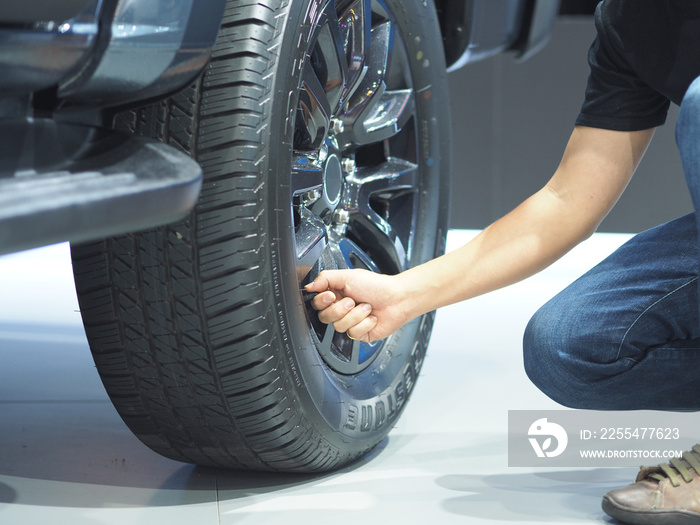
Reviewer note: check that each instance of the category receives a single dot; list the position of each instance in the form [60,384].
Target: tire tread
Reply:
[182,305]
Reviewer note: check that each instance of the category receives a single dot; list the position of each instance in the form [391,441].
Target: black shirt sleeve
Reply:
[616,98]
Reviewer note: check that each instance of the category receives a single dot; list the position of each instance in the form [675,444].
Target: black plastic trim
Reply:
[87,183]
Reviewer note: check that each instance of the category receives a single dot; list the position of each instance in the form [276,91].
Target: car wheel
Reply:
[323,131]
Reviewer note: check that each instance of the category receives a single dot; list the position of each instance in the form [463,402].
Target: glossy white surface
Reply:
[67,458]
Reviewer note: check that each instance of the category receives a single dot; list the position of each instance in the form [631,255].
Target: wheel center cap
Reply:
[332,180]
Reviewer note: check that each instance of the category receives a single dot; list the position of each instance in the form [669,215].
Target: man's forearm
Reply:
[527,240]
[594,171]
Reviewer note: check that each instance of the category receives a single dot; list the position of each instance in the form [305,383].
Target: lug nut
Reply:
[341,216]
[337,126]
[312,196]
[348,165]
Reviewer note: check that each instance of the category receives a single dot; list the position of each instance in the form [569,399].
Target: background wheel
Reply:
[323,130]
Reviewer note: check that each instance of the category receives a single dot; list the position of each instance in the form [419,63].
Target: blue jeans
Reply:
[626,335]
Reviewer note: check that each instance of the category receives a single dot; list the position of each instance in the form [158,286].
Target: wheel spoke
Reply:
[386,117]
[310,231]
[369,98]
[348,348]
[326,340]
[329,57]
[355,24]
[355,257]
[314,110]
[394,175]
[334,343]
[310,239]
[388,246]
[306,175]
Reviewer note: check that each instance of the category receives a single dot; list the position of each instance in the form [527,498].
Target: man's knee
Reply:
[543,352]
[556,359]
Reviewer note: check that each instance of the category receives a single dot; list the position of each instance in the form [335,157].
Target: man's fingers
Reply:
[327,280]
[317,285]
[336,311]
[323,300]
[352,317]
[362,330]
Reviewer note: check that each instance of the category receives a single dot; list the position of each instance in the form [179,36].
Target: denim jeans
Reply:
[626,335]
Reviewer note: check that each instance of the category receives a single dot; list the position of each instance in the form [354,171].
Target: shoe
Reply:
[663,495]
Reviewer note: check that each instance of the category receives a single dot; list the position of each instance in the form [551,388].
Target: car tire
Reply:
[323,131]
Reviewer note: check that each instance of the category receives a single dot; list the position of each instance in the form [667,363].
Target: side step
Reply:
[64,182]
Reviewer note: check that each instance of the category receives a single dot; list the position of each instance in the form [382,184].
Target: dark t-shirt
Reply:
[646,53]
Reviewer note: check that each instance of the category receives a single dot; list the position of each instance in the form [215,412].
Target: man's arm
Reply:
[594,171]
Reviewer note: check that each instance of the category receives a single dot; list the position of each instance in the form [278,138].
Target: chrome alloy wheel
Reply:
[355,168]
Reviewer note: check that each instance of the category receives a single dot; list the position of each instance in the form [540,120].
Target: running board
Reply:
[63,182]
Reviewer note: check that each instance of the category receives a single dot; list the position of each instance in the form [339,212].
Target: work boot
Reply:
[663,495]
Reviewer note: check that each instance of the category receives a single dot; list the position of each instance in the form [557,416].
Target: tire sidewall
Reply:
[354,411]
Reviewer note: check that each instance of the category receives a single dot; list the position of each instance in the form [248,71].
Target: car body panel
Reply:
[41,55]
[153,48]
[477,29]
[22,12]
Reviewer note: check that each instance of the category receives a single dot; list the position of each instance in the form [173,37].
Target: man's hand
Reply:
[365,305]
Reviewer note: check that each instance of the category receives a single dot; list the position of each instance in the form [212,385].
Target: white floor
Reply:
[67,458]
